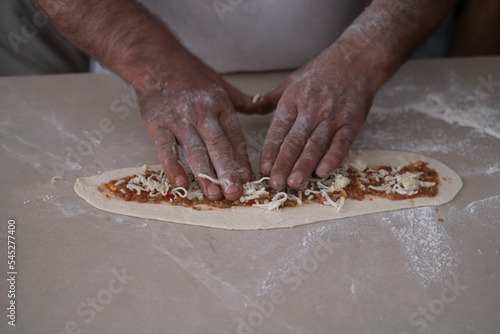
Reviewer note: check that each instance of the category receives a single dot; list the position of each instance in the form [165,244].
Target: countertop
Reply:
[82,270]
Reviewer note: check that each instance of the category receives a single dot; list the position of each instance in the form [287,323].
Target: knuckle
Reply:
[268,154]
[164,145]
[295,140]
[192,143]
[209,129]
[233,132]
[240,149]
[162,137]
[219,144]
[318,143]
[276,133]
[343,141]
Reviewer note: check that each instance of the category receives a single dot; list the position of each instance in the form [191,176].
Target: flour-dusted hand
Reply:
[192,106]
[320,109]
[183,102]
[322,106]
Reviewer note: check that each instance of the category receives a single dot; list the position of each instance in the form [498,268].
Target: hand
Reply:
[191,105]
[320,109]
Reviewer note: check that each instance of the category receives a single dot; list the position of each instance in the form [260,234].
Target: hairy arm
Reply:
[182,101]
[322,106]
[390,31]
[115,32]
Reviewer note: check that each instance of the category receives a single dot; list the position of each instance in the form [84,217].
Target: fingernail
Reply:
[296,180]
[213,190]
[266,167]
[322,170]
[232,189]
[277,182]
[245,175]
[180,180]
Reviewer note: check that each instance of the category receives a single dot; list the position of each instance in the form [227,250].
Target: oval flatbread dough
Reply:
[244,218]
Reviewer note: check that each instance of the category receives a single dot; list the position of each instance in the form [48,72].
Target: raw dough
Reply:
[241,218]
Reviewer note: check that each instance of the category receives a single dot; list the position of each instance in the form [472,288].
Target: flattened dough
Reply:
[241,218]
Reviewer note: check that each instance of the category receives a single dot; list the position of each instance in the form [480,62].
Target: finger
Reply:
[166,147]
[316,147]
[246,104]
[290,151]
[283,120]
[221,155]
[231,127]
[265,104]
[339,148]
[275,94]
[198,159]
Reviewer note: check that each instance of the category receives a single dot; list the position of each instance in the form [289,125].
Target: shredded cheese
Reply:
[328,201]
[211,179]
[324,189]
[119,183]
[275,203]
[135,187]
[180,191]
[55,179]
[359,165]
[404,184]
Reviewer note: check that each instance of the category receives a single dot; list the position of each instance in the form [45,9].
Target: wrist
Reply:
[361,64]
[368,58]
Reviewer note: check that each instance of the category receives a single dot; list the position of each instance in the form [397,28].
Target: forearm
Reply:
[388,32]
[120,34]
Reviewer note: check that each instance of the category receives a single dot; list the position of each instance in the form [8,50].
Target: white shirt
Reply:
[256,35]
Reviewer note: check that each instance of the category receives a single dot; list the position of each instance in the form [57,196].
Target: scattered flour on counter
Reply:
[426,243]
[473,207]
[419,138]
[284,266]
[68,210]
[72,165]
[53,120]
[32,156]
[47,198]
[302,250]
[482,118]
[493,169]
[490,170]
[179,249]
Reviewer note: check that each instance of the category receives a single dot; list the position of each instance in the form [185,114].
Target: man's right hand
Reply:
[190,105]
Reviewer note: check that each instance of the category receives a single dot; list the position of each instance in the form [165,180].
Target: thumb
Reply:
[264,104]
[246,104]
[275,94]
